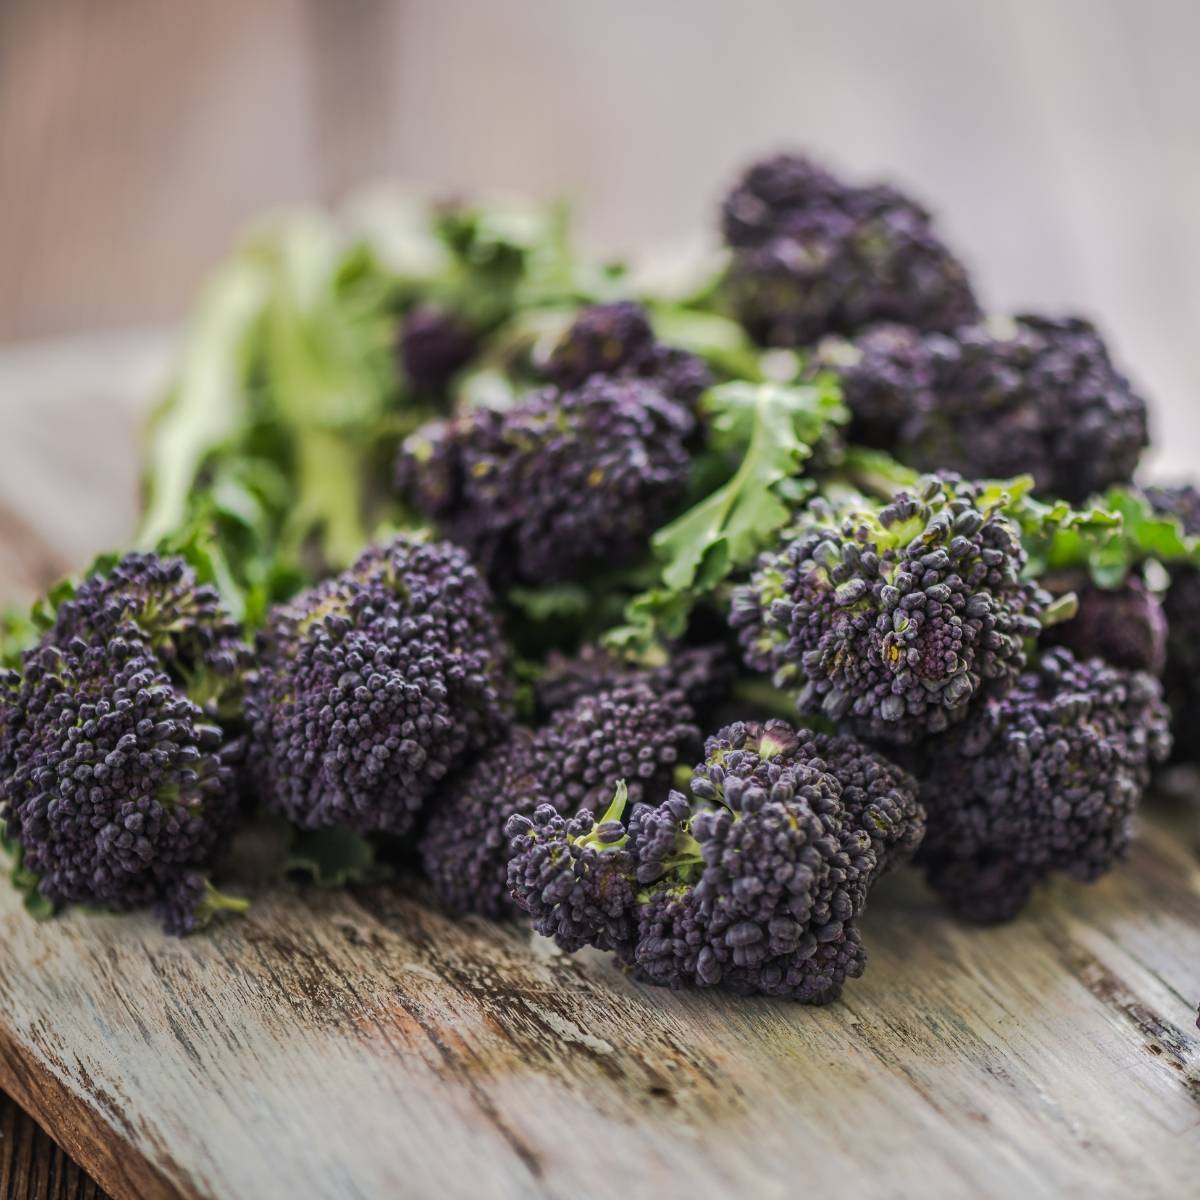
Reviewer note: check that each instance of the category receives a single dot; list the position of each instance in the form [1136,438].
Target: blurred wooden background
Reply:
[1058,138]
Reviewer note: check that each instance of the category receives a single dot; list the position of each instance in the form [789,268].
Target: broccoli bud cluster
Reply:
[434,344]
[892,620]
[752,883]
[587,470]
[113,784]
[1027,395]
[616,341]
[183,621]
[1126,626]
[1181,604]
[371,687]
[560,484]
[1044,779]
[704,674]
[120,747]
[813,255]
[887,373]
[572,763]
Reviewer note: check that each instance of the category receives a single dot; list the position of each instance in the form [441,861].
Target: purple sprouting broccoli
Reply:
[116,790]
[561,484]
[1007,396]
[1042,780]
[121,743]
[887,373]
[813,255]
[576,875]
[616,341]
[1125,626]
[753,882]
[373,685]
[893,619]
[632,732]
[704,674]
[1181,676]
[434,344]
[185,623]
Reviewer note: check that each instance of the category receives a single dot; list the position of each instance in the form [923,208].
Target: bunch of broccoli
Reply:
[672,623]
[122,744]
[1024,395]
[753,881]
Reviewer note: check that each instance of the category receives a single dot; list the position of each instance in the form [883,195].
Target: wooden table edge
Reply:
[99,1147]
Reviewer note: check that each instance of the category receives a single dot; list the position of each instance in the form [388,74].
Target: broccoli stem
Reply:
[215,902]
[756,692]
[330,477]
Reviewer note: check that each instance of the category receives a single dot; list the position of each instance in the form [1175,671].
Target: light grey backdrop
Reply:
[1057,138]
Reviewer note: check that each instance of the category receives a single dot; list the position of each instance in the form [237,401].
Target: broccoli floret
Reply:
[704,674]
[1126,626]
[1181,676]
[196,641]
[887,373]
[812,255]
[374,684]
[1008,396]
[121,748]
[562,483]
[892,619]
[753,883]
[879,795]
[576,876]
[434,344]
[1045,779]
[615,340]
[572,764]
[115,788]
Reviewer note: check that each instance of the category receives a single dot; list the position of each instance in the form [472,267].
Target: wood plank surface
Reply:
[335,1045]
[363,1044]
[33,1166]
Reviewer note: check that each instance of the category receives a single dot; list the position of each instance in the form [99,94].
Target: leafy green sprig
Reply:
[762,434]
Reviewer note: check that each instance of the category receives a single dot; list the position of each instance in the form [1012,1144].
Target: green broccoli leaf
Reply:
[209,398]
[721,342]
[333,858]
[651,617]
[875,472]
[26,882]
[774,427]
[771,430]
[564,600]
[18,632]
[1118,533]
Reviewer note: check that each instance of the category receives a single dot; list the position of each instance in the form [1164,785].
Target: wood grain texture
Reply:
[32,1166]
[336,1045]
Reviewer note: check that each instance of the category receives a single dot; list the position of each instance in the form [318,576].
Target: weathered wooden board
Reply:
[364,1045]
[33,1166]
[338,1046]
